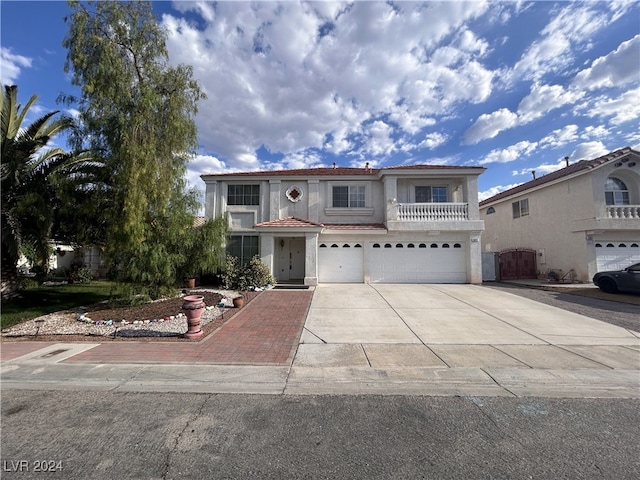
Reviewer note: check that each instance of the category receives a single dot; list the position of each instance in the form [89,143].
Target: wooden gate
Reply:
[518,263]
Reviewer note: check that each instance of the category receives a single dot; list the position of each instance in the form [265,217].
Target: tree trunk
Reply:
[9,283]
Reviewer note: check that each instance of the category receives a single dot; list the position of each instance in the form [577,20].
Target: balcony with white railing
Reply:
[623,211]
[610,218]
[432,212]
[431,216]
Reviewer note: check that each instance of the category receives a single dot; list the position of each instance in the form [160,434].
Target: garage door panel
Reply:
[399,263]
[616,255]
[340,263]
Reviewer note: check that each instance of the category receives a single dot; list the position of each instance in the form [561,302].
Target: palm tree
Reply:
[27,169]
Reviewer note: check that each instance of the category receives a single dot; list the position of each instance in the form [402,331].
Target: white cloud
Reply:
[622,109]
[12,64]
[560,137]
[295,76]
[588,151]
[379,141]
[569,30]
[495,190]
[433,140]
[509,154]
[594,131]
[544,98]
[488,125]
[618,68]
[542,169]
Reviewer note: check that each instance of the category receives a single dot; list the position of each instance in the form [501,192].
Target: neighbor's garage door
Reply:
[340,263]
[437,262]
[616,255]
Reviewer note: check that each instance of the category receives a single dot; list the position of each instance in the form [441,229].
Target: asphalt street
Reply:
[109,435]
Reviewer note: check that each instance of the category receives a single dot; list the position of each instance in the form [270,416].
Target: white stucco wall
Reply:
[564,222]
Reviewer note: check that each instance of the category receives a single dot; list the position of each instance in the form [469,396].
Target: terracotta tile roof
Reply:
[355,226]
[433,167]
[339,171]
[582,165]
[300,172]
[289,222]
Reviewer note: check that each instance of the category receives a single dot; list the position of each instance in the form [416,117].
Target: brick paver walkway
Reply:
[265,332]
[11,350]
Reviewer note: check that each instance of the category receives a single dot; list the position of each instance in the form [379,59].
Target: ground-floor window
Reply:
[244,247]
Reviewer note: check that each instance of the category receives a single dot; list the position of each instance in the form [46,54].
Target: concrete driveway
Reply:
[461,332]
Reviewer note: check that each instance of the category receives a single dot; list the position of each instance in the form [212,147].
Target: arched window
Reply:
[322,245]
[411,245]
[398,245]
[491,210]
[616,192]
[445,245]
[387,245]
[434,245]
[422,245]
[376,245]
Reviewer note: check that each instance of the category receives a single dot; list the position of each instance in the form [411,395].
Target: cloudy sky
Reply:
[512,86]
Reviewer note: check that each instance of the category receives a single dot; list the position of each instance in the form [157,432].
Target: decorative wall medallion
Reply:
[294,194]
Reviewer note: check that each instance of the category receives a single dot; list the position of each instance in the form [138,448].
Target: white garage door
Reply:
[404,262]
[340,263]
[616,255]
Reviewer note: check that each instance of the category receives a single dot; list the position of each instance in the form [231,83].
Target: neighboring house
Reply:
[575,221]
[407,224]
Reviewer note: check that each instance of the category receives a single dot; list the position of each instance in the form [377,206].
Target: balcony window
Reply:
[349,196]
[431,194]
[520,208]
[243,195]
[616,192]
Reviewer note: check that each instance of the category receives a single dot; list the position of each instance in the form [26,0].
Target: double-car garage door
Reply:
[392,262]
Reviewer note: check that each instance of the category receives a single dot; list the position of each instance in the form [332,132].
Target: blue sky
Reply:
[512,86]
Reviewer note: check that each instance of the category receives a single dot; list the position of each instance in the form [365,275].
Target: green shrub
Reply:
[78,273]
[253,275]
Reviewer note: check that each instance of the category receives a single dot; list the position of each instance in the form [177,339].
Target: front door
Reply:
[290,257]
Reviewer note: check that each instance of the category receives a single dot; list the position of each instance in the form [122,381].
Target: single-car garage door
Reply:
[340,263]
[411,262]
[616,255]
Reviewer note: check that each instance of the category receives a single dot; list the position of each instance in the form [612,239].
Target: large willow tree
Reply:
[137,113]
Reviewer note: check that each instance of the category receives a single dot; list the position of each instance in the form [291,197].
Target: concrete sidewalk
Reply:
[358,338]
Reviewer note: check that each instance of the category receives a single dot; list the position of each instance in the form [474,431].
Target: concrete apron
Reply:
[458,340]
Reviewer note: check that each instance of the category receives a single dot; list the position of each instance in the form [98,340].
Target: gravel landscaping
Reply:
[159,320]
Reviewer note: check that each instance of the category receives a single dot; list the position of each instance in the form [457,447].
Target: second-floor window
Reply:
[431,194]
[243,195]
[351,196]
[520,208]
[616,192]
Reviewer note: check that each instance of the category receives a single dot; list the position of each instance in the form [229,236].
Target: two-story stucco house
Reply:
[578,220]
[407,224]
